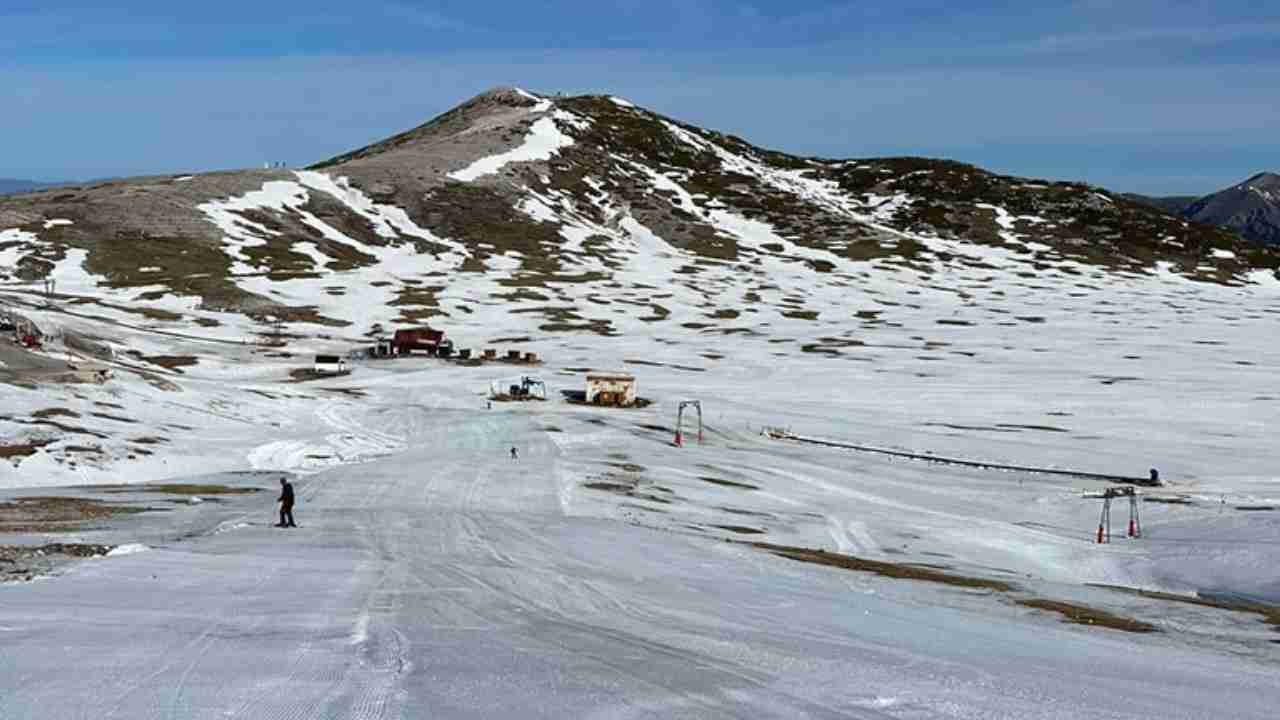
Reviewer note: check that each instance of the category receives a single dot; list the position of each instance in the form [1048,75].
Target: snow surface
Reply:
[543,142]
[448,581]
[127,549]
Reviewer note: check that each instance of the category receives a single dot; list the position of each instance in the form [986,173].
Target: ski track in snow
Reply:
[465,591]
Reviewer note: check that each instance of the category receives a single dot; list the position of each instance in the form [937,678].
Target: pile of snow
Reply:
[127,549]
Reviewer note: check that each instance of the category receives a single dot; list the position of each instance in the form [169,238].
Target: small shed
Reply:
[330,365]
[611,389]
[426,339]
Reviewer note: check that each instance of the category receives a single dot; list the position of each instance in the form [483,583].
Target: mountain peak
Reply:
[496,108]
[507,95]
[1251,208]
[1263,180]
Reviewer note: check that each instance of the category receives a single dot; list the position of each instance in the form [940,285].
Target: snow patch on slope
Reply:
[240,233]
[544,141]
[362,296]
[68,273]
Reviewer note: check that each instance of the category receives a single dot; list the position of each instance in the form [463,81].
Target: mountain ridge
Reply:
[1251,208]
[12,186]
[534,194]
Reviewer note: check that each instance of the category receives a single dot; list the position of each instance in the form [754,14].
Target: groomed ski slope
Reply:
[445,580]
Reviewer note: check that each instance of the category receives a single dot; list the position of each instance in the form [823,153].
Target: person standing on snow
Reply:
[515,454]
[286,504]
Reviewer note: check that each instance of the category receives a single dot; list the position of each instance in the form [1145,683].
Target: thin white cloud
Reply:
[1211,35]
[423,18]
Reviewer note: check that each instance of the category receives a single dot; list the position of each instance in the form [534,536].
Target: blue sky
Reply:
[1159,97]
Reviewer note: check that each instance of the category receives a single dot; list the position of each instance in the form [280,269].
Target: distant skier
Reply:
[1155,476]
[515,454]
[286,504]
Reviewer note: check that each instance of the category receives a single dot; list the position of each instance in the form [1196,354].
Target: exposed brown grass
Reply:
[20,563]
[740,529]
[57,514]
[299,375]
[727,483]
[1270,613]
[1084,615]
[1071,612]
[22,449]
[182,489]
[149,440]
[116,418]
[171,362]
[901,571]
[55,412]
[349,392]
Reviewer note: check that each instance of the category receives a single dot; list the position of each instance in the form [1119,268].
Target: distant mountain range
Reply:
[1172,204]
[9,186]
[1251,208]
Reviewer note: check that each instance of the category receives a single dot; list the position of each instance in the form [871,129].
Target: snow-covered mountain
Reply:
[534,204]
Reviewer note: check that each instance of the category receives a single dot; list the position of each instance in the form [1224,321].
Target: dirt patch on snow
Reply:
[58,514]
[1270,613]
[727,483]
[1071,612]
[55,412]
[181,489]
[20,563]
[901,571]
[21,450]
[1085,615]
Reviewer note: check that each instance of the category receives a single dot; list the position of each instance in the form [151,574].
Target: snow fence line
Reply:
[777,434]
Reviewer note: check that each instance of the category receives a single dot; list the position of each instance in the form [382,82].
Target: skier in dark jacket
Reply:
[286,504]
